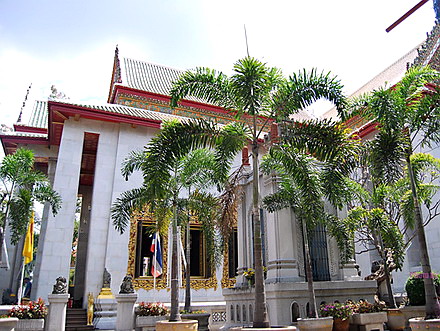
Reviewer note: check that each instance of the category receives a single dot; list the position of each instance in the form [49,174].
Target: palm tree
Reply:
[253,91]
[196,174]
[408,116]
[160,162]
[313,161]
[22,185]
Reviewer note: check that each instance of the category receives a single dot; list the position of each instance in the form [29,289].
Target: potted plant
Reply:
[249,274]
[202,316]
[370,315]
[340,313]
[30,316]
[148,313]
[415,289]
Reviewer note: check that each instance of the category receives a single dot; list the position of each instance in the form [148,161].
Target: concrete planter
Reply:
[420,324]
[202,319]
[272,328]
[369,321]
[341,325]
[8,324]
[317,324]
[183,325]
[148,323]
[30,325]
[396,320]
[411,312]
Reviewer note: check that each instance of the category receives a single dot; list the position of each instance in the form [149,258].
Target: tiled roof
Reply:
[38,117]
[24,134]
[39,113]
[148,76]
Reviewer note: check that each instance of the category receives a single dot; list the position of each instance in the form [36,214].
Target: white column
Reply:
[55,259]
[125,315]
[56,320]
[51,167]
[100,207]
[283,252]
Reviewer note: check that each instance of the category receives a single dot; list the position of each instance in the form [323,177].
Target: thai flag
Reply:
[156,266]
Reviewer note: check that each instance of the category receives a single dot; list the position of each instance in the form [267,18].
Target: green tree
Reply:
[160,165]
[253,91]
[408,115]
[313,161]
[22,185]
[381,216]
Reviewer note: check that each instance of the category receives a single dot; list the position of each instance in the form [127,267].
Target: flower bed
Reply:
[33,310]
[151,309]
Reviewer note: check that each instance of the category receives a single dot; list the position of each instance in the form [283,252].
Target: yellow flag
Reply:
[28,249]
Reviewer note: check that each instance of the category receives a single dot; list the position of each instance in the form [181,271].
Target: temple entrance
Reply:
[84,203]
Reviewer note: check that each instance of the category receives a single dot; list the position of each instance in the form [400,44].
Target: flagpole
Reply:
[154,266]
[20,286]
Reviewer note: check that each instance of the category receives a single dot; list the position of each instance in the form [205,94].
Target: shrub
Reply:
[200,311]
[33,310]
[336,310]
[151,309]
[415,288]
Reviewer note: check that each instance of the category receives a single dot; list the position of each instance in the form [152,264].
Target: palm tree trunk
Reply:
[391,301]
[3,230]
[174,313]
[432,305]
[260,313]
[309,273]
[188,270]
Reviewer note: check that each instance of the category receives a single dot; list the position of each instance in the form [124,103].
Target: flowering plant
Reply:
[250,273]
[151,309]
[33,310]
[365,307]
[337,310]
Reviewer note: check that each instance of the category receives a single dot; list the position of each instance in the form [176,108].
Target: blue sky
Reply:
[71,43]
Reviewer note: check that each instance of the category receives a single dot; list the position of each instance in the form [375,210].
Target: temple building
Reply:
[81,147]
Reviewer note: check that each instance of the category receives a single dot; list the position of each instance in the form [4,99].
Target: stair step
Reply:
[76,320]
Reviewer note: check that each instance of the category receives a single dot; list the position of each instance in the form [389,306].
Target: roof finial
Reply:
[24,104]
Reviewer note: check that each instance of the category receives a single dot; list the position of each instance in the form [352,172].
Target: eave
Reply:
[59,112]
[11,142]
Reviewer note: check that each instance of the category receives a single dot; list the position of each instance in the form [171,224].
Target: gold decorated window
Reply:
[140,257]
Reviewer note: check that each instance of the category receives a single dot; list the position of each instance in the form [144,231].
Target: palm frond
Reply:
[304,88]
[20,213]
[125,205]
[387,155]
[206,84]
[43,192]
[134,161]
